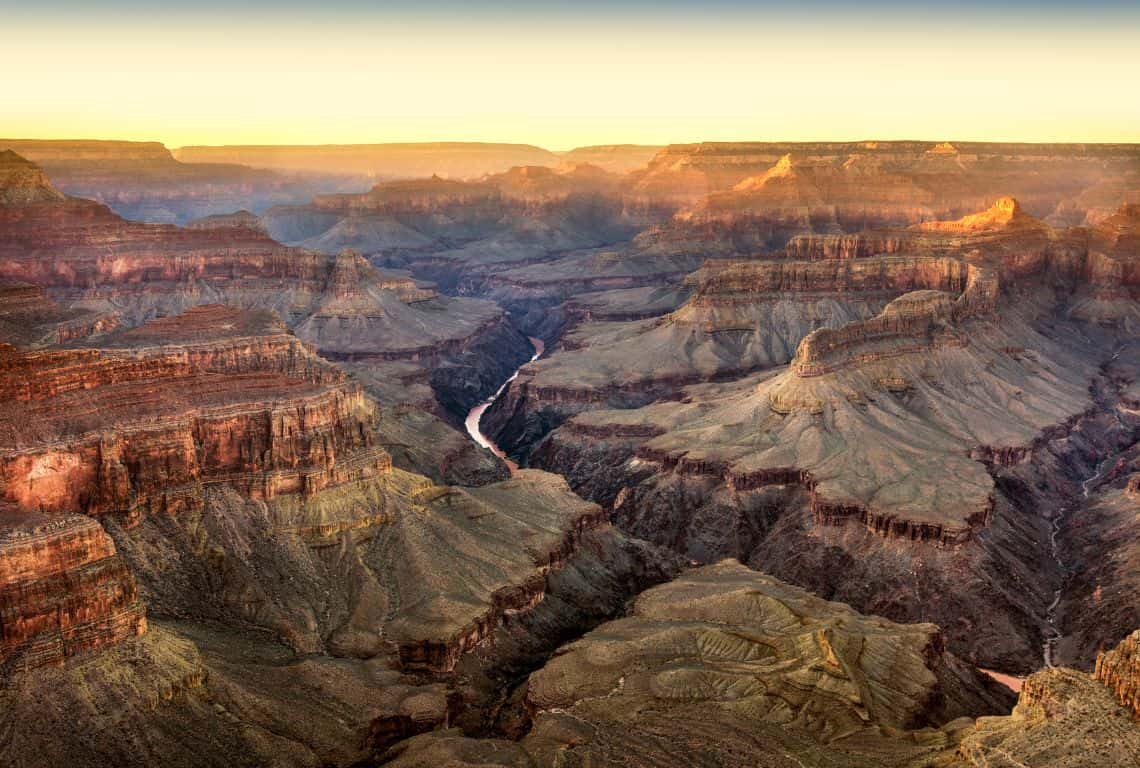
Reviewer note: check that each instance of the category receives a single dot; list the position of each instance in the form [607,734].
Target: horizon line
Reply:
[569,148]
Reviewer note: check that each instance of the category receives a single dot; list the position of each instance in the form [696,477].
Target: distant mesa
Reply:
[1006,212]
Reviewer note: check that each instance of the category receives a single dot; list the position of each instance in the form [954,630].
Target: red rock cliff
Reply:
[63,589]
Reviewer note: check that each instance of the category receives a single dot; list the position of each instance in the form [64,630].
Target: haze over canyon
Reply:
[570,385]
[800,454]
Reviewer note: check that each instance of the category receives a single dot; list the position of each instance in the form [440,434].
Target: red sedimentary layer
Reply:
[63,589]
[128,430]
[1119,669]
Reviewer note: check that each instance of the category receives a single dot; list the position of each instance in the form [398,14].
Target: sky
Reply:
[565,74]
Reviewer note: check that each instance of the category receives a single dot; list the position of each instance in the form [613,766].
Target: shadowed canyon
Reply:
[788,454]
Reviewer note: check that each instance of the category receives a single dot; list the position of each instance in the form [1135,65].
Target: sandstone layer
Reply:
[64,591]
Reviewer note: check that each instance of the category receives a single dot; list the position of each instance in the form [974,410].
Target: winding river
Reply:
[1053,633]
[476,413]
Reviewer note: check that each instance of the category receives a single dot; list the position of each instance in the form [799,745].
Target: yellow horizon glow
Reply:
[563,85]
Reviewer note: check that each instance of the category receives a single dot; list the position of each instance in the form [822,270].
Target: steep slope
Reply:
[726,666]
[256,518]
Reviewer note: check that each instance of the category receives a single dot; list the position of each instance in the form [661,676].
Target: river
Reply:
[476,413]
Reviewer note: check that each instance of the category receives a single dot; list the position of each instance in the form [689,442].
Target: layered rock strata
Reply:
[63,590]
[1119,669]
[730,666]
[258,412]
[876,445]
[85,256]
[28,318]
[743,316]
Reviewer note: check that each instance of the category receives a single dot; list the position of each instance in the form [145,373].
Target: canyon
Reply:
[451,454]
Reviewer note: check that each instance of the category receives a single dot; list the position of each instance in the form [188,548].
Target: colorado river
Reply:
[476,413]
[1053,633]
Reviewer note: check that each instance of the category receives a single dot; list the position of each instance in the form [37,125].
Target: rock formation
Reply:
[142,180]
[242,486]
[732,667]
[84,256]
[28,318]
[1119,669]
[746,315]
[63,589]
[892,424]
[22,182]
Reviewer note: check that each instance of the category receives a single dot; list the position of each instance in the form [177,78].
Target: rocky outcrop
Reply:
[1063,719]
[128,429]
[1119,669]
[733,667]
[63,590]
[23,183]
[28,318]
[911,323]
[237,220]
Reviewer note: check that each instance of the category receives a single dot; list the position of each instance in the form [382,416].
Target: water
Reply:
[1058,521]
[476,413]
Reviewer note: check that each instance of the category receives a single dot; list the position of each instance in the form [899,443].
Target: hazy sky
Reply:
[568,74]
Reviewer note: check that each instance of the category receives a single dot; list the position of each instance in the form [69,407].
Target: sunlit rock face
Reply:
[64,591]
[1119,669]
[124,429]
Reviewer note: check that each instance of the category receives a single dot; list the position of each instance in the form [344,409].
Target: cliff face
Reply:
[256,411]
[1119,669]
[732,667]
[63,590]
